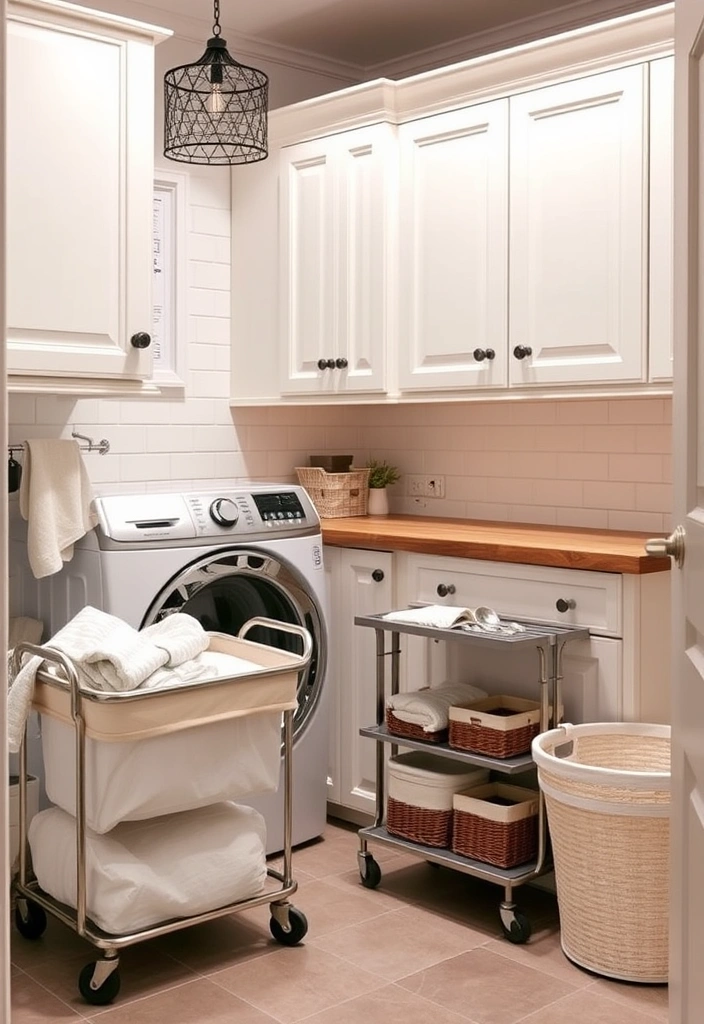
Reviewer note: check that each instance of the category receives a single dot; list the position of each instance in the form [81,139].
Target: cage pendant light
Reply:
[215,111]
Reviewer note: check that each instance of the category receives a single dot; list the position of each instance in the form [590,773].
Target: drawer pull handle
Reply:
[378,575]
[565,604]
[445,588]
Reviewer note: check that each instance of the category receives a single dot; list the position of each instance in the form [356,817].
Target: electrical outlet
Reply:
[435,487]
[416,486]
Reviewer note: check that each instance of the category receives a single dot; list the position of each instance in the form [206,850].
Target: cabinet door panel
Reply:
[78,201]
[365,162]
[577,230]
[662,82]
[307,241]
[453,256]
[358,593]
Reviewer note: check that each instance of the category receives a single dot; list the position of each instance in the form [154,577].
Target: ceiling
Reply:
[369,34]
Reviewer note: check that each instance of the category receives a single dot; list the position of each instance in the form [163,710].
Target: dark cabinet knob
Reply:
[330,364]
[480,354]
[490,354]
[521,351]
[341,364]
[445,588]
[322,364]
[141,340]
[378,575]
[564,604]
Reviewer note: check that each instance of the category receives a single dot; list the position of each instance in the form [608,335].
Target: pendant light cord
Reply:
[216,15]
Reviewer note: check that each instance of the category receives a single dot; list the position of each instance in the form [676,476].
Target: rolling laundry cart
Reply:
[531,638]
[267,685]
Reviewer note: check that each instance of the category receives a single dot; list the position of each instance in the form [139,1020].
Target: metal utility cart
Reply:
[547,643]
[99,981]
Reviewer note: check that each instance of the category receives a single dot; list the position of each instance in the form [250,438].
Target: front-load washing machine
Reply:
[222,557]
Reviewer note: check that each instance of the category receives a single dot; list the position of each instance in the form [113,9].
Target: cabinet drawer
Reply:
[590,599]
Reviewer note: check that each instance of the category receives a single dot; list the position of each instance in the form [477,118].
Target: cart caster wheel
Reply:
[298,926]
[371,876]
[515,926]
[30,919]
[105,993]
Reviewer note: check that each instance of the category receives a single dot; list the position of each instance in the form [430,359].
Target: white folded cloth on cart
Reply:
[146,872]
[108,654]
[441,616]
[429,707]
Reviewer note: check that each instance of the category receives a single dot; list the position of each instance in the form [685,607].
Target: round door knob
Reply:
[480,354]
[341,364]
[521,351]
[565,604]
[673,546]
[322,364]
[141,340]
[445,588]
[330,364]
[378,575]
[224,512]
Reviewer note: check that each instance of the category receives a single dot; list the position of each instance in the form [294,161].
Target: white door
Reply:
[4,861]
[80,131]
[577,239]
[687,921]
[453,249]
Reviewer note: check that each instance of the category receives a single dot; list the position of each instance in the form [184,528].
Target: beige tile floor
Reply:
[424,948]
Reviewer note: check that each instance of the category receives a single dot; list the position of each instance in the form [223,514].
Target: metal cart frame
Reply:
[99,982]
[549,641]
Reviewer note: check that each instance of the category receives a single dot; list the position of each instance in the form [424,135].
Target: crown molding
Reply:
[566,18]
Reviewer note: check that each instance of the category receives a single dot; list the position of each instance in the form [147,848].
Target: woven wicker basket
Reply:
[608,811]
[411,731]
[336,495]
[477,727]
[419,824]
[504,836]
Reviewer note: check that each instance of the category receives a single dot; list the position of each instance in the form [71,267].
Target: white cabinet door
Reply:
[361,584]
[453,249]
[334,236]
[662,81]
[577,241]
[80,142]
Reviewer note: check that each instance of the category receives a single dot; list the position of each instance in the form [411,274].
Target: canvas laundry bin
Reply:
[607,795]
[421,788]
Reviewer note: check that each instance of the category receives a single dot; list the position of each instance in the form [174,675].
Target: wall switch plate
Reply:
[436,487]
[428,486]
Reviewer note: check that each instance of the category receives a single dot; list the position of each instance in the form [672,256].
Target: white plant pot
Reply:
[378,501]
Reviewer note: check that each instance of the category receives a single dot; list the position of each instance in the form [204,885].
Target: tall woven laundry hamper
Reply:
[607,796]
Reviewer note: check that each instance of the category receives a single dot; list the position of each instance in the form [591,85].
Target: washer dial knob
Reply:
[224,512]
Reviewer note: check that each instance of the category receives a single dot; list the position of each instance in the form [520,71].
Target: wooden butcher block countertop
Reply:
[599,550]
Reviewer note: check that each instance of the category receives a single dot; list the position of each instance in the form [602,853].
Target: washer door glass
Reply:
[225,591]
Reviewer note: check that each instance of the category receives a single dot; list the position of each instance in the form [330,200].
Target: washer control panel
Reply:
[216,516]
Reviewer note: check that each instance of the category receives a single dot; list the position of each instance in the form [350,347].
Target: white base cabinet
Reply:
[80,148]
[621,673]
[359,583]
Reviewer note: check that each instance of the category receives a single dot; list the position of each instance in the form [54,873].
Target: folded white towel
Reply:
[430,706]
[442,616]
[55,499]
[108,655]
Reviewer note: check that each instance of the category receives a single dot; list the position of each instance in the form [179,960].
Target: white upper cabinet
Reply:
[333,257]
[662,82]
[80,143]
[578,229]
[453,249]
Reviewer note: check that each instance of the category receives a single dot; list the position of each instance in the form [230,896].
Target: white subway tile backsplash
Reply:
[654,438]
[648,522]
[653,497]
[542,514]
[638,410]
[591,518]
[207,221]
[609,495]
[605,438]
[636,467]
[209,275]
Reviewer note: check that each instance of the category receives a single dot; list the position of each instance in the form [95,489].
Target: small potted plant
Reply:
[381,475]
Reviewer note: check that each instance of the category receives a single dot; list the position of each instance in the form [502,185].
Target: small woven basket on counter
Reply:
[500,726]
[503,833]
[336,495]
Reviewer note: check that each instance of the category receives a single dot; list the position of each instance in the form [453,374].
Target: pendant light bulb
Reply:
[215,103]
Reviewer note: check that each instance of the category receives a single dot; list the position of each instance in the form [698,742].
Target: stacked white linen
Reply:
[147,872]
[429,707]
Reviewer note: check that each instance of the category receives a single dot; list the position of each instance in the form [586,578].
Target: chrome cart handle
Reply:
[283,627]
[48,654]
